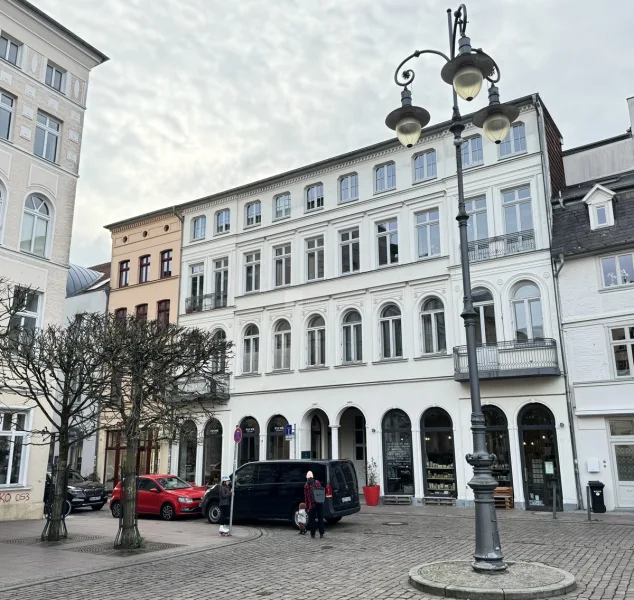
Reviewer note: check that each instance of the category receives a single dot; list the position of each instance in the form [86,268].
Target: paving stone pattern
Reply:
[361,557]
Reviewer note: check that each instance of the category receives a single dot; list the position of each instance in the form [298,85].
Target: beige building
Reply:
[44,71]
[145,270]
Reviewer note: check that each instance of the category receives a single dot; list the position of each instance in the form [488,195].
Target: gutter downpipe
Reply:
[570,403]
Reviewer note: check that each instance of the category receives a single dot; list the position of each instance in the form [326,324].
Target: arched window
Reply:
[391,333]
[282,346]
[497,434]
[251,350]
[35,225]
[212,451]
[219,363]
[253,213]
[199,227]
[485,326]
[277,446]
[436,431]
[316,341]
[527,312]
[352,337]
[433,324]
[250,445]
[223,220]
[398,462]
[187,452]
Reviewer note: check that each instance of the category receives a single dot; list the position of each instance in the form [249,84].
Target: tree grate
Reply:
[70,539]
[109,550]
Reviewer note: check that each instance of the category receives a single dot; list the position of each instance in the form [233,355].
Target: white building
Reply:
[44,70]
[340,285]
[593,246]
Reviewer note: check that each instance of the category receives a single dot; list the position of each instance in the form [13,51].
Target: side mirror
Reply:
[155,490]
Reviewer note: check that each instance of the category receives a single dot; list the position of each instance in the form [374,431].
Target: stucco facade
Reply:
[37,199]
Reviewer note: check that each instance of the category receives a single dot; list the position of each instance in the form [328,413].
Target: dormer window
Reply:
[599,201]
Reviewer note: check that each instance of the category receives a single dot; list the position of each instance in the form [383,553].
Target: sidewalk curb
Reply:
[175,554]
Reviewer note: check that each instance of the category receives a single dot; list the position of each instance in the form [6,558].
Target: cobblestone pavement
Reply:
[364,556]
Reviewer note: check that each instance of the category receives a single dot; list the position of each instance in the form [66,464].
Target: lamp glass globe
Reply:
[496,127]
[467,82]
[408,130]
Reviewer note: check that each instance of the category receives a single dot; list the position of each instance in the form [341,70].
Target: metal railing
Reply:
[509,359]
[216,390]
[502,245]
[205,302]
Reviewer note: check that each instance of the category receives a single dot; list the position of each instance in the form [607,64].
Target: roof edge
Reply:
[598,144]
[161,212]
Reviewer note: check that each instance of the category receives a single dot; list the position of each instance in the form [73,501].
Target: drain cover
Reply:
[395,523]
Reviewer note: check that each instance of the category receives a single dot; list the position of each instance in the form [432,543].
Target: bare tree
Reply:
[59,370]
[163,374]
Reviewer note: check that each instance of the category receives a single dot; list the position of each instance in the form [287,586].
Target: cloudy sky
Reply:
[204,95]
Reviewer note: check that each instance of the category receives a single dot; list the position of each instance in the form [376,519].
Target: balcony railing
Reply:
[502,245]
[528,358]
[205,302]
[216,390]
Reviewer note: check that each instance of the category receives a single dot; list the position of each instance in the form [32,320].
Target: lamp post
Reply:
[466,72]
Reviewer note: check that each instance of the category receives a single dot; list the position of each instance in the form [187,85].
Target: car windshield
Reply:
[172,483]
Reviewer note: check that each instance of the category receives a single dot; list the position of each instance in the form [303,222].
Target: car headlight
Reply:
[185,500]
[76,491]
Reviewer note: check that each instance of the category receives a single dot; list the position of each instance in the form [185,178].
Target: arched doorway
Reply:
[250,444]
[540,462]
[497,434]
[352,441]
[439,472]
[212,452]
[187,448]
[398,460]
[276,445]
[316,437]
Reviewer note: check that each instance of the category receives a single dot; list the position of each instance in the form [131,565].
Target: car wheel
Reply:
[214,513]
[115,509]
[167,512]
[68,508]
[97,506]
[333,520]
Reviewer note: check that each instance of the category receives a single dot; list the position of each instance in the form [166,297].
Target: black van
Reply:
[273,489]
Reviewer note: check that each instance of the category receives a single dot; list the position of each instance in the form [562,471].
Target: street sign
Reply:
[288,430]
[237,435]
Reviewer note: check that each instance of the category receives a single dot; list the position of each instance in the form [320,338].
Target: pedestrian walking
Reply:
[314,497]
[225,503]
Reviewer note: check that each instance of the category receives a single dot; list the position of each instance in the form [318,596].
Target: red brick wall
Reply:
[555,158]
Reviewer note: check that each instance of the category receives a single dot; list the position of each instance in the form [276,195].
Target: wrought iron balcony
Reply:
[527,358]
[502,245]
[205,302]
[213,391]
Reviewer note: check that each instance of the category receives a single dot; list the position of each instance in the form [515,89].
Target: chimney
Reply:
[630,107]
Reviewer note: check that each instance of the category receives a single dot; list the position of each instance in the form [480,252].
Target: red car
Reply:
[165,495]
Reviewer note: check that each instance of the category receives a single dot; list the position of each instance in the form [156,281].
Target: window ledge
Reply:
[247,227]
[195,240]
[312,210]
[385,361]
[248,375]
[280,372]
[351,364]
[15,487]
[500,158]
[221,233]
[426,180]
[390,189]
[426,258]
[34,255]
[281,218]
[394,264]
[616,288]
[348,201]
[474,165]
[316,368]
[433,356]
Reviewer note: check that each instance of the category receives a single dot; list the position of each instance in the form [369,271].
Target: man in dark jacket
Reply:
[315,510]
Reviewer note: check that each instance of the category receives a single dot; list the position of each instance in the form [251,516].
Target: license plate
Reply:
[346,499]
[94,498]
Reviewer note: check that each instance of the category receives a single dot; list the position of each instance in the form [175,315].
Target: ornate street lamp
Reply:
[466,73]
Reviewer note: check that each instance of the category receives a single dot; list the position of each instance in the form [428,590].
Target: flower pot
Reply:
[371,493]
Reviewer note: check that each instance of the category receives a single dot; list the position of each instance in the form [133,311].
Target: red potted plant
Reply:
[371,490]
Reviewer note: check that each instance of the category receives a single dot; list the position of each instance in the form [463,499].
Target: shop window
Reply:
[250,445]
[398,462]
[277,448]
[497,434]
[439,474]
[187,452]
[212,452]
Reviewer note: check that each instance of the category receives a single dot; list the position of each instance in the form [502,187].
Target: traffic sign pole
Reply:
[237,438]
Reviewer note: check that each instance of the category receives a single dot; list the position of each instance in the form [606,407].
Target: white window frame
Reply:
[282,358]
[251,357]
[355,331]
[284,257]
[222,221]
[481,322]
[618,268]
[350,185]
[473,212]
[3,206]
[27,312]
[283,201]
[202,219]
[387,234]
[604,208]
[48,132]
[426,227]
[221,266]
[350,243]
[314,196]
[256,218]
[524,304]
[516,203]
[425,169]
[9,110]
[18,54]
[318,334]
[197,272]
[391,332]
[37,216]
[12,435]
[55,70]
[433,318]
[384,170]
[472,157]
[314,246]
[628,342]
[512,144]
[252,271]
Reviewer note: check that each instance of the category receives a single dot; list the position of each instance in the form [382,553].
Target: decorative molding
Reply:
[29,90]
[457,288]
[71,156]
[25,133]
[546,275]
[75,116]
[314,306]
[6,77]
[343,303]
[281,315]
[76,89]
[34,62]
[52,103]
[390,295]
[28,112]
[500,281]
[73,136]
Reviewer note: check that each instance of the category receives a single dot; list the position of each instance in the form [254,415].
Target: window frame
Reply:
[287,206]
[256,271]
[512,141]
[10,110]
[145,267]
[141,311]
[516,204]
[319,336]
[426,166]
[526,307]
[467,145]
[202,219]
[427,226]
[166,260]
[284,258]
[220,266]
[223,215]
[63,74]
[18,52]
[628,342]
[319,257]
[433,314]
[385,178]
[161,311]
[34,315]
[37,215]
[121,313]
[48,132]
[12,434]
[392,330]
[348,178]
[617,269]
[196,272]
[317,201]
[355,329]
[286,339]
[257,214]
[124,269]
[387,234]
[479,307]
[350,243]
[254,355]
[474,212]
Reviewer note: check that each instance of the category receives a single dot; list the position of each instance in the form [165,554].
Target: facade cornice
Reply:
[116,228]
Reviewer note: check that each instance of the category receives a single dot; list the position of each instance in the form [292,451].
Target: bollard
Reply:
[554,500]
[589,502]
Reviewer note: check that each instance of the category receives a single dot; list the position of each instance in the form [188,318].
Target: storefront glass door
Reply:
[398,459]
[250,445]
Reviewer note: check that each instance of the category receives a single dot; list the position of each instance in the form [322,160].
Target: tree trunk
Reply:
[55,532]
[129,537]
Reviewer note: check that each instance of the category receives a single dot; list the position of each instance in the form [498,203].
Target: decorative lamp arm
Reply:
[408,75]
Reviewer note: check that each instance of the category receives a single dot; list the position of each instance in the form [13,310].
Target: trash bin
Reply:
[596,495]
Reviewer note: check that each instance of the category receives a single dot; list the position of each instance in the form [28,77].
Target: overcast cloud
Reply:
[204,95]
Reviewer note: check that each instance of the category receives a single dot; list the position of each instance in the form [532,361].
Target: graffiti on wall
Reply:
[6,497]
